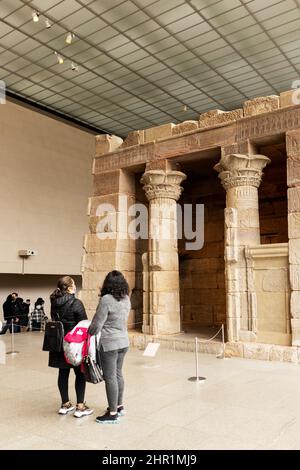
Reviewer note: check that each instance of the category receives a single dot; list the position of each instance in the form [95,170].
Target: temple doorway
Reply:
[202,271]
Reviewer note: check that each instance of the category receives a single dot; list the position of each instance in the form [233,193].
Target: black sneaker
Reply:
[120,410]
[107,418]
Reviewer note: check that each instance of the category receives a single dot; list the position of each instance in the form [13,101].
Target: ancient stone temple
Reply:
[243,166]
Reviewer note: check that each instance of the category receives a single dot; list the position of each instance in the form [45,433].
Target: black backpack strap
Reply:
[67,305]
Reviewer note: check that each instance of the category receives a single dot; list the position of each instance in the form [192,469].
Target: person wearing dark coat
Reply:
[69,310]
[9,313]
[20,313]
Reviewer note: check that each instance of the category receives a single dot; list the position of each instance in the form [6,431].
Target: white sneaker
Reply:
[66,408]
[85,411]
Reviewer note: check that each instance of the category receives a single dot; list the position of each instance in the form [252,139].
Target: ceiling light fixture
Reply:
[35,16]
[60,58]
[74,67]
[48,24]
[69,38]
[184,108]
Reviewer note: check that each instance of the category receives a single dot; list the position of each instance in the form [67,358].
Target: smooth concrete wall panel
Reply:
[44,187]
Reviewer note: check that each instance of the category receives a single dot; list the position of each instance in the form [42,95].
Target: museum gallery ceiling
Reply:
[119,66]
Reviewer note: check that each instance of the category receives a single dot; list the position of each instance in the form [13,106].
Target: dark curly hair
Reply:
[116,285]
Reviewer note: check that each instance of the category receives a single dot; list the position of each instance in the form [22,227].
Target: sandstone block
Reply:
[234,349]
[92,244]
[216,117]
[113,225]
[239,284]
[294,251]
[295,277]
[164,324]
[237,305]
[243,147]
[232,254]
[94,280]
[264,104]
[90,299]
[294,199]
[98,262]
[231,237]
[159,132]
[186,126]
[249,236]
[116,202]
[295,323]
[164,303]
[233,328]
[107,143]
[274,280]
[231,217]
[293,143]
[160,261]
[295,304]
[133,138]
[247,336]
[287,98]
[248,218]
[161,281]
[293,171]
[117,181]
[163,245]
[294,225]
[257,351]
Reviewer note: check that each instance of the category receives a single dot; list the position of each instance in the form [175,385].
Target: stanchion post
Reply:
[197,378]
[223,341]
[222,354]
[12,352]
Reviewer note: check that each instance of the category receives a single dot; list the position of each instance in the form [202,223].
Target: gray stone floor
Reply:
[243,404]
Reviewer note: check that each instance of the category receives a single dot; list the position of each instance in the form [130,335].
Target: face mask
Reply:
[38,307]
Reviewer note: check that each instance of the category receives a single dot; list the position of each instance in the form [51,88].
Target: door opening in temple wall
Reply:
[202,271]
[141,247]
[273,195]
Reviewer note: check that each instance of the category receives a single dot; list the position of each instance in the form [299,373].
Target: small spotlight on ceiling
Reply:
[74,67]
[184,108]
[35,16]
[48,24]
[60,58]
[69,38]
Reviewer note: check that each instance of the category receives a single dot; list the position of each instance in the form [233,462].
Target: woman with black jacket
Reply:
[69,310]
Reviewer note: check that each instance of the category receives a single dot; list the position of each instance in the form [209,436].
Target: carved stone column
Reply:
[293,182]
[240,176]
[161,278]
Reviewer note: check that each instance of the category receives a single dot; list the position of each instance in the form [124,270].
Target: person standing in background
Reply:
[37,315]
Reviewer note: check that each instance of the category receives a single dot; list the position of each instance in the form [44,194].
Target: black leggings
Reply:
[63,384]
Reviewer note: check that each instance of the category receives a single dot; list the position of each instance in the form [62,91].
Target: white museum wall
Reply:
[46,179]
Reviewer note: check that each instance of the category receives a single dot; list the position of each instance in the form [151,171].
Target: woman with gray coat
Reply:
[111,320]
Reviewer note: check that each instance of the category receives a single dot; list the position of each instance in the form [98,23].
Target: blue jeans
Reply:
[112,363]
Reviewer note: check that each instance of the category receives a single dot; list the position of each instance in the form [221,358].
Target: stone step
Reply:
[186,343]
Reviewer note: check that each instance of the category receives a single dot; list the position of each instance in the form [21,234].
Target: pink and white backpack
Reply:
[75,343]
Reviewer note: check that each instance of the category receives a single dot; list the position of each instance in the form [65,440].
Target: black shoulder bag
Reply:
[54,333]
[91,369]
